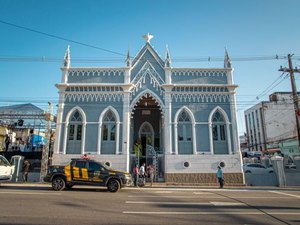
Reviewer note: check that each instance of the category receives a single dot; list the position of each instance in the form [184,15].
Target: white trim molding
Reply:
[227,122]
[66,128]
[115,112]
[191,115]
[145,93]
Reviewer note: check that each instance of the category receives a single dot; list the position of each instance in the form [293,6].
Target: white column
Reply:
[83,138]
[118,138]
[168,122]
[126,127]
[99,138]
[235,133]
[65,137]
[229,145]
[168,75]
[126,116]
[194,138]
[175,137]
[59,121]
[211,143]
[64,77]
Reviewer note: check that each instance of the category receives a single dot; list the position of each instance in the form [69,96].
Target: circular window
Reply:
[222,164]
[108,163]
[186,164]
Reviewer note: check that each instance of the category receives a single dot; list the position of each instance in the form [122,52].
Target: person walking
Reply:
[220,177]
[25,170]
[7,142]
[151,173]
[143,172]
[135,174]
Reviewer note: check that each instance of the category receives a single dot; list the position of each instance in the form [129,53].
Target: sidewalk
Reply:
[158,186]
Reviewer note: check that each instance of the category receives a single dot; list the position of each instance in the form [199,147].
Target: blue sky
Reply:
[192,29]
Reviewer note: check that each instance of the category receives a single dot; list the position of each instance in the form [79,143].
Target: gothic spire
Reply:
[128,61]
[67,58]
[227,61]
[168,59]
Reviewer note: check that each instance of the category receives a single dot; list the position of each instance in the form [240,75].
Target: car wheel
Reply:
[58,184]
[113,185]
[247,171]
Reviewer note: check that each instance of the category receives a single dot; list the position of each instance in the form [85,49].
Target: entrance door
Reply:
[146,134]
[146,127]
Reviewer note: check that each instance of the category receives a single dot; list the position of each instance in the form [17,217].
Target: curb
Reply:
[166,186]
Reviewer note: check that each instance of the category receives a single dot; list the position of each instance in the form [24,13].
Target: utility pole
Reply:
[294,92]
[45,154]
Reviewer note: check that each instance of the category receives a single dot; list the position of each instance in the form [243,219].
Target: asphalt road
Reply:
[40,205]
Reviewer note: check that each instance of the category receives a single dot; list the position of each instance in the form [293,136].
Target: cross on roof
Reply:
[148,37]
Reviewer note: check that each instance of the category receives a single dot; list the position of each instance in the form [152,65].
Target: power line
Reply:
[61,38]
[121,60]
[179,59]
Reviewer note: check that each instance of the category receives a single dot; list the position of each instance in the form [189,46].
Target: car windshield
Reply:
[3,161]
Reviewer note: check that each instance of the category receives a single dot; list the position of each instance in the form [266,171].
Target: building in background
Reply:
[183,118]
[271,125]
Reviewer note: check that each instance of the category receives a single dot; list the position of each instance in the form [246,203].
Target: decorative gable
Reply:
[148,71]
[141,54]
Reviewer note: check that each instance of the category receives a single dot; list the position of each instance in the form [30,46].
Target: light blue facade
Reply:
[186,113]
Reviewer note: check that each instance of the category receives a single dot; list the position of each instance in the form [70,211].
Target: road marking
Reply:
[214,213]
[169,203]
[172,196]
[282,193]
[202,197]
[227,203]
[147,188]
[163,192]
[203,193]
[29,193]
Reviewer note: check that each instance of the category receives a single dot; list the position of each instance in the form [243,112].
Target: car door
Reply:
[261,169]
[79,171]
[6,170]
[96,172]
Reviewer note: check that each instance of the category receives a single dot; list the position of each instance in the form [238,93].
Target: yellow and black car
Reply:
[86,172]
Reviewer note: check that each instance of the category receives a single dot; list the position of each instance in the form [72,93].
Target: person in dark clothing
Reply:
[135,174]
[7,142]
[25,170]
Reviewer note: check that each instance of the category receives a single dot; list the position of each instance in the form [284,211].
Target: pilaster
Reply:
[60,110]
[234,128]
[126,127]
[168,120]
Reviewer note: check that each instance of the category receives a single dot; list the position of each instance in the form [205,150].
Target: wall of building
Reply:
[269,123]
[204,164]
[279,121]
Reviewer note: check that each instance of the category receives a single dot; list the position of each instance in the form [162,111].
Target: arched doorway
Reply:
[146,134]
[147,130]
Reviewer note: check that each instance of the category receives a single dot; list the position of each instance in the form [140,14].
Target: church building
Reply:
[183,120]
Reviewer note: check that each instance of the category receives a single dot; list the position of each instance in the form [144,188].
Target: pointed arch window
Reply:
[75,127]
[184,127]
[75,133]
[184,134]
[109,127]
[219,131]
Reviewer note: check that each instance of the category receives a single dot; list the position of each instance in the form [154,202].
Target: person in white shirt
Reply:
[143,172]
